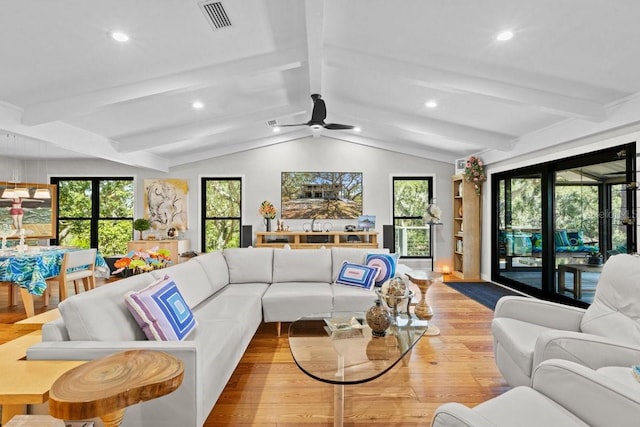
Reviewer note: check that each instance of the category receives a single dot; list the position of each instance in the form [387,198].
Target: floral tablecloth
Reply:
[30,269]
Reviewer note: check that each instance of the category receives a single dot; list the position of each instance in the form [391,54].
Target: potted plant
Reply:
[595,258]
[140,225]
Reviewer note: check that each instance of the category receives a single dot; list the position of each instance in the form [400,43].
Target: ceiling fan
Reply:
[318,115]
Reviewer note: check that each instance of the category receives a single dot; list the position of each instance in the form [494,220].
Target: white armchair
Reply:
[527,331]
[562,394]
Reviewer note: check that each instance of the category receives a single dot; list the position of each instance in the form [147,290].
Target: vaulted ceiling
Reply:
[68,90]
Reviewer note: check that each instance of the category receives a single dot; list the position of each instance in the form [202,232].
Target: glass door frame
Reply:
[547,171]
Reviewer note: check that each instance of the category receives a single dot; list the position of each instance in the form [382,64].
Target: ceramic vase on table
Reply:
[267,224]
[378,319]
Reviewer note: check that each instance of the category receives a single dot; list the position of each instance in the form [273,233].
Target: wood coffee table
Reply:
[104,387]
[577,270]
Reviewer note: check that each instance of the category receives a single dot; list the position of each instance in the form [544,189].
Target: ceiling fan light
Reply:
[21,192]
[42,193]
[316,127]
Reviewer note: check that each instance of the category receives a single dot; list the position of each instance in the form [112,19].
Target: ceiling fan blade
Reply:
[338,126]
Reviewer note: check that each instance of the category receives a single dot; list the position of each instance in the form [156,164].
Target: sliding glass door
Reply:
[555,224]
[519,219]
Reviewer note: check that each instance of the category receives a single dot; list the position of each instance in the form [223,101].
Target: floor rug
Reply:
[486,293]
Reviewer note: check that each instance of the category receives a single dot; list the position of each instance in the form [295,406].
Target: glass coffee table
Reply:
[338,348]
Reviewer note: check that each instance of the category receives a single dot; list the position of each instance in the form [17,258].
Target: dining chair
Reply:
[77,266]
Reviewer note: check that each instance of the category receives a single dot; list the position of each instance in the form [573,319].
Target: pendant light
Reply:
[8,191]
[42,193]
[21,192]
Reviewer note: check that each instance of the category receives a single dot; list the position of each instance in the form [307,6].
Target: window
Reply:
[411,196]
[221,213]
[95,213]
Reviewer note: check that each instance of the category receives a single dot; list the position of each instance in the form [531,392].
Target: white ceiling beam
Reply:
[197,130]
[428,126]
[85,103]
[227,149]
[75,139]
[314,15]
[453,81]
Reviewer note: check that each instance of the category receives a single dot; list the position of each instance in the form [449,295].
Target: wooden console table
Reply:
[317,239]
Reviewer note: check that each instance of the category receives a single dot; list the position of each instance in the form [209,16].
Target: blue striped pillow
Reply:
[357,275]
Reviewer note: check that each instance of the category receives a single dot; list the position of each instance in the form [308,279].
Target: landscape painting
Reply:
[321,195]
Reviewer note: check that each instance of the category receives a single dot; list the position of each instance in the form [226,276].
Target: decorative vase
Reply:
[267,224]
[378,319]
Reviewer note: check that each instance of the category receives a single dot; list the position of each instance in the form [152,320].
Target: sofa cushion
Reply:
[247,265]
[576,238]
[161,311]
[353,255]
[309,265]
[287,301]
[350,298]
[102,315]
[519,339]
[191,279]
[215,267]
[561,238]
[615,311]
[386,263]
[360,276]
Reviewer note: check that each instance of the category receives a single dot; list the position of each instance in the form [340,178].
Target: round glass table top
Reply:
[338,347]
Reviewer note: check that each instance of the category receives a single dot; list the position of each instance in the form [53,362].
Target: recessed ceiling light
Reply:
[119,36]
[276,129]
[197,105]
[504,36]
[431,104]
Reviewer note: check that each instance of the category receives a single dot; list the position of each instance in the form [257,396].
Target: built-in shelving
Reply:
[466,229]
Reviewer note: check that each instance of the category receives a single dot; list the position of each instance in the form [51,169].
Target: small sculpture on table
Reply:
[393,292]
[423,311]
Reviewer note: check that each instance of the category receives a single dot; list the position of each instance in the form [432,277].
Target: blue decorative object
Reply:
[161,311]
[357,275]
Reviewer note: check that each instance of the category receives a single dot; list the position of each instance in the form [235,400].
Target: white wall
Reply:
[261,168]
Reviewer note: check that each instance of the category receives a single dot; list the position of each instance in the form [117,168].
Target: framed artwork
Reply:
[321,195]
[35,214]
[461,164]
[165,203]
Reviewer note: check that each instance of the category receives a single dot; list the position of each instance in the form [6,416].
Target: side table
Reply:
[104,387]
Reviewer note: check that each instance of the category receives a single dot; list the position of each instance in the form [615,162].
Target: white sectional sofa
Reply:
[230,293]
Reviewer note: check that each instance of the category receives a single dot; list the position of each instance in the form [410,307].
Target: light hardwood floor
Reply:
[268,389]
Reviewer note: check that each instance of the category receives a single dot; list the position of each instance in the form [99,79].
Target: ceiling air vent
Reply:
[216,15]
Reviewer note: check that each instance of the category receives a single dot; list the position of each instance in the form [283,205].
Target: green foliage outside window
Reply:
[112,218]
[222,213]
[410,201]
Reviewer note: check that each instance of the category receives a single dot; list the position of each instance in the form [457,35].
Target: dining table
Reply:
[29,269]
